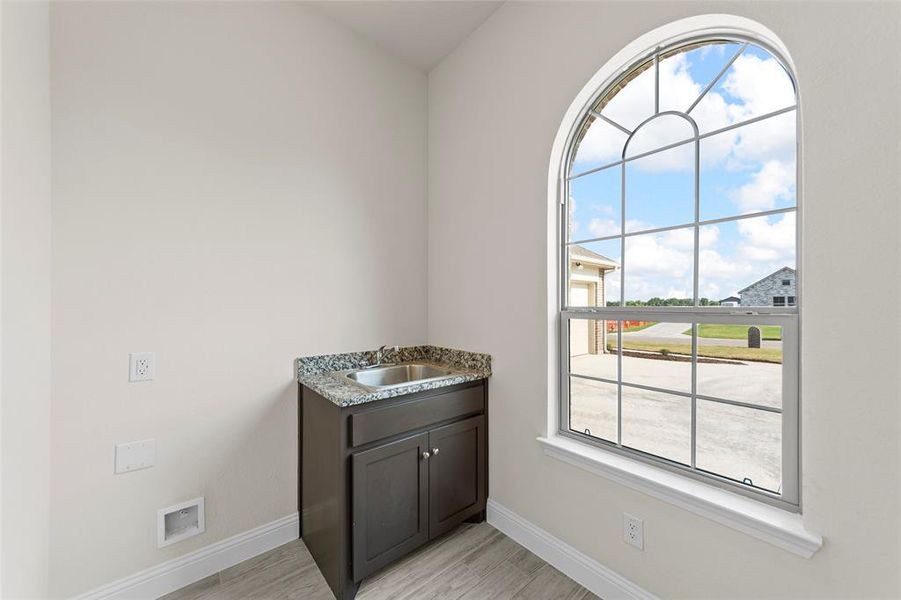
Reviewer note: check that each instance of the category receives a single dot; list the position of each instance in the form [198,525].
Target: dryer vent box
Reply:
[179,522]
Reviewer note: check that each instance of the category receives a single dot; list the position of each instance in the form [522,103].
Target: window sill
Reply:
[762,521]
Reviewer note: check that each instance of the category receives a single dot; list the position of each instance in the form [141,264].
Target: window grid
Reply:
[784,316]
[788,411]
[685,141]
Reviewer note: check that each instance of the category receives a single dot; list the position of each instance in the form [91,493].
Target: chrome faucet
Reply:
[382,353]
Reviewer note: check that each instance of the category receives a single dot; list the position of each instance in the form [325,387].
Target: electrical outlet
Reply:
[633,531]
[141,366]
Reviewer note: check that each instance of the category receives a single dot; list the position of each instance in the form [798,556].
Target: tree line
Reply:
[666,302]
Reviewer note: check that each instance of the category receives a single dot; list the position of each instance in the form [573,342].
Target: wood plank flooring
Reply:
[473,562]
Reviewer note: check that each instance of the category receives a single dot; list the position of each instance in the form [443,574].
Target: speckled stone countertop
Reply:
[318,372]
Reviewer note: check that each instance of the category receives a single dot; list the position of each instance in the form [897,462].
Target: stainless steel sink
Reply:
[396,375]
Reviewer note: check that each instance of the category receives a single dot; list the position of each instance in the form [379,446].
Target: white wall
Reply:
[25,299]
[235,185]
[494,108]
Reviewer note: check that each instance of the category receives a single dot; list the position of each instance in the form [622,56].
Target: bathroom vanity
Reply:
[387,465]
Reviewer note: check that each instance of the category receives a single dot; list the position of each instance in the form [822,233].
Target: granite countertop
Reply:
[319,372]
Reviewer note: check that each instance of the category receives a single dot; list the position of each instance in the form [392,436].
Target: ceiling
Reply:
[420,33]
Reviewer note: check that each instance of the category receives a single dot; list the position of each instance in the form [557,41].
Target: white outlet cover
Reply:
[134,456]
[141,366]
[633,531]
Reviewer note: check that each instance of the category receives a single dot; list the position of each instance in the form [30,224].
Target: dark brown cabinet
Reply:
[457,479]
[380,479]
[390,502]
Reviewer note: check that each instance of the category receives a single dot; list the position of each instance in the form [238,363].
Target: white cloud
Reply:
[654,266]
[603,143]
[684,239]
[774,181]
[762,86]
[662,264]
[634,103]
[768,239]
[603,227]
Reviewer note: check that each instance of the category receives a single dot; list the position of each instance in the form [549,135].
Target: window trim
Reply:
[770,524]
[790,499]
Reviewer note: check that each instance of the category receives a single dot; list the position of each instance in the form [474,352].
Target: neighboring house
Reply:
[776,289]
[586,288]
[730,301]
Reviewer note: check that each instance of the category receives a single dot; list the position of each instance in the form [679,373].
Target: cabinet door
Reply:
[390,503]
[457,473]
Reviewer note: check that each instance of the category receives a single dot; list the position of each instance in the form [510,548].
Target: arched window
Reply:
[679,283]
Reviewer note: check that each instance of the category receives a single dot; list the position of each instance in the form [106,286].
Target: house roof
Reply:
[731,299]
[762,279]
[582,254]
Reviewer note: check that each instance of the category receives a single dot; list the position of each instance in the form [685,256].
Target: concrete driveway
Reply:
[736,442]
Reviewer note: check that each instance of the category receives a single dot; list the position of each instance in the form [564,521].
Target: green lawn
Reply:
[770,355]
[736,332]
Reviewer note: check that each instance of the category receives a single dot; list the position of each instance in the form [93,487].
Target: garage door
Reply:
[578,328]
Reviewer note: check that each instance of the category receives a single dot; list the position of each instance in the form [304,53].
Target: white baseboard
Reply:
[194,566]
[585,571]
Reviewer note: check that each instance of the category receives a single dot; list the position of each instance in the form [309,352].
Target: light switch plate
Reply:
[141,366]
[134,456]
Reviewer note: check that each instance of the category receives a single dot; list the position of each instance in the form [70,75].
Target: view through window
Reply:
[679,287]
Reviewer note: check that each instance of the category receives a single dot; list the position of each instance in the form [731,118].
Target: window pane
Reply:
[660,188]
[658,355]
[658,267]
[592,408]
[594,273]
[741,443]
[656,423]
[755,84]
[595,205]
[601,144]
[589,340]
[749,169]
[747,259]
[663,131]
[685,74]
[728,368]
[635,101]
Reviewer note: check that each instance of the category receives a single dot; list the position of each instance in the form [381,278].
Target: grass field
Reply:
[736,332]
[770,355]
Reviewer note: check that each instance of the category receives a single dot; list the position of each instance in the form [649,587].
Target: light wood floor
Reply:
[474,562]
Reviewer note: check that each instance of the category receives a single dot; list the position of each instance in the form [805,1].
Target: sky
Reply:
[743,171]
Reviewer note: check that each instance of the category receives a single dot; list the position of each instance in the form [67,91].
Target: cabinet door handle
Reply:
[434,451]
[425,456]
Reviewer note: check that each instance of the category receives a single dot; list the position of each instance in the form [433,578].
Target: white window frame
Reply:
[787,317]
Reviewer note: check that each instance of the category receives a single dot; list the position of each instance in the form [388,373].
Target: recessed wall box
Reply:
[179,522]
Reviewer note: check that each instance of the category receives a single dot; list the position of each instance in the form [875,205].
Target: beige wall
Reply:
[25,299]
[495,106]
[235,185]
